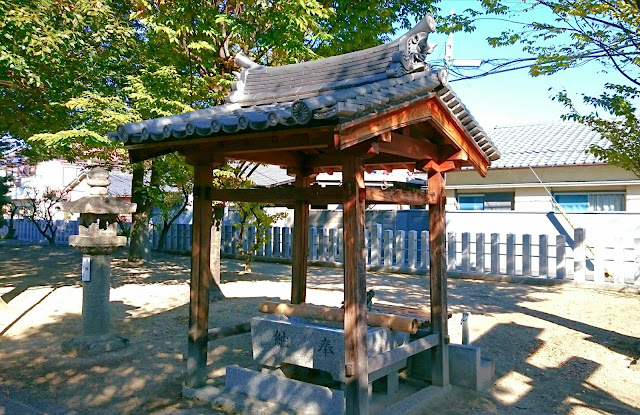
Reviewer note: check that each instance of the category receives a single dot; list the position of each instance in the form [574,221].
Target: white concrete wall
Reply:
[54,174]
[549,175]
[633,198]
[530,195]
[532,199]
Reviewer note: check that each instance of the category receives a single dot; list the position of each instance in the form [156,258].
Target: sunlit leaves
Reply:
[621,128]
[53,51]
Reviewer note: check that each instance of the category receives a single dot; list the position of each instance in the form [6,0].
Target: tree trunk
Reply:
[168,223]
[11,233]
[215,293]
[46,232]
[162,239]
[139,245]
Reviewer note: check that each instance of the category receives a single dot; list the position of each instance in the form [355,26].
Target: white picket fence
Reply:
[615,261]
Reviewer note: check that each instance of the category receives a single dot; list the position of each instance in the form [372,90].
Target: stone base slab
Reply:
[233,402]
[417,403]
[302,397]
[468,369]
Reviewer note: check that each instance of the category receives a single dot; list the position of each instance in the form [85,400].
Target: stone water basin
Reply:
[278,339]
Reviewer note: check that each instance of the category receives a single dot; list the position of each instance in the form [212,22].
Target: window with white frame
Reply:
[471,202]
[486,201]
[590,202]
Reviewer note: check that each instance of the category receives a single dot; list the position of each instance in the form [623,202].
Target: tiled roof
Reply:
[270,175]
[550,144]
[326,91]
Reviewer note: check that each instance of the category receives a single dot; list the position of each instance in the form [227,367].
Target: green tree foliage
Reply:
[622,131]
[175,187]
[250,214]
[70,71]
[363,24]
[573,33]
[53,51]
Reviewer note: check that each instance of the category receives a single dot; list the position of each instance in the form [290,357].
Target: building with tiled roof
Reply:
[542,161]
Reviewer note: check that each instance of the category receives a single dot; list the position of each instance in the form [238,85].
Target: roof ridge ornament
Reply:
[246,63]
[413,49]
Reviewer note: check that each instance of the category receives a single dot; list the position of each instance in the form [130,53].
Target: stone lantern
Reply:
[97,240]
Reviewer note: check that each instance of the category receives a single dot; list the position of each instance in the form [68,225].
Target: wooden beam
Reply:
[330,160]
[282,195]
[300,243]
[200,279]
[355,287]
[361,129]
[244,135]
[399,196]
[319,195]
[365,149]
[279,158]
[382,360]
[222,332]
[333,161]
[288,143]
[438,279]
[204,159]
[408,147]
[459,156]
[441,167]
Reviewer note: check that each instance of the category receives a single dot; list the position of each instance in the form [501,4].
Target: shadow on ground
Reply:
[148,375]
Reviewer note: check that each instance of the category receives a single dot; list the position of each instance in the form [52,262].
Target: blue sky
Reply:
[513,98]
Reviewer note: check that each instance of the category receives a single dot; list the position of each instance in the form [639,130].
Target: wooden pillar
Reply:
[438,280]
[355,304]
[300,242]
[200,278]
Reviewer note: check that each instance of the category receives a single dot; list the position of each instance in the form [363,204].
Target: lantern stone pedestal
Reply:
[97,240]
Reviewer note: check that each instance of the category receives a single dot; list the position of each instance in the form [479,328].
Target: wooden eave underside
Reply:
[421,135]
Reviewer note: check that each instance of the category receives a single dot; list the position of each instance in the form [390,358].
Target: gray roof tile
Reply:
[548,144]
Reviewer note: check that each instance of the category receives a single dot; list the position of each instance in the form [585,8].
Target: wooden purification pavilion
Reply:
[382,108]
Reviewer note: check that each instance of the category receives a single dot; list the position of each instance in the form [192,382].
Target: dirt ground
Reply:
[558,349]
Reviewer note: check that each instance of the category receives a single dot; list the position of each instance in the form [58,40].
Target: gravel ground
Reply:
[558,349]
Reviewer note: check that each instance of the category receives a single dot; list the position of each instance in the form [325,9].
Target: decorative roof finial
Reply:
[413,49]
